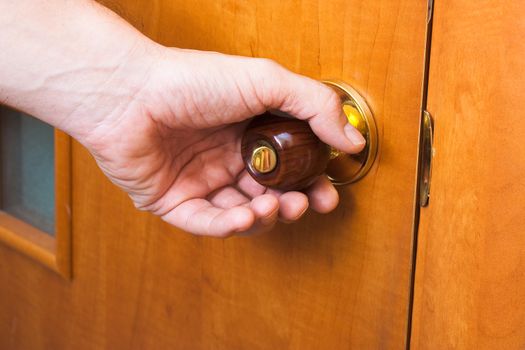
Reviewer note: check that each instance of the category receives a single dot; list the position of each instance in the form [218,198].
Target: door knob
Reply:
[284,153]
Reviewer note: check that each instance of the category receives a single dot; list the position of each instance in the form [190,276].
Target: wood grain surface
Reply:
[470,270]
[338,281]
[301,156]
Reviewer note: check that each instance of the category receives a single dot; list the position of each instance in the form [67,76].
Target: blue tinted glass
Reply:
[27,174]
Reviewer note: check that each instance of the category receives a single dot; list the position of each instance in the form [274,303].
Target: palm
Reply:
[196,165]
[161,167]
[194,179]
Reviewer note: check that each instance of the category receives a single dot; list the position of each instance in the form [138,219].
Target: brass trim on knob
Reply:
[352,167]
[284,153]
[264,159]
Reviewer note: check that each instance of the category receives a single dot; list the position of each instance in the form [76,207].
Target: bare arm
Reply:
[58,57]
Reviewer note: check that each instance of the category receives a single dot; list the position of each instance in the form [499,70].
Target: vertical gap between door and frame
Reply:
[417,207]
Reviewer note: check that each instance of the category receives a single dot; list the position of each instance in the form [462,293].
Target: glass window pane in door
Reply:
[27,172]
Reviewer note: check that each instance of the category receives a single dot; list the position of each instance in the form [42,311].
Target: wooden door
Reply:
[337,281]
[470,279]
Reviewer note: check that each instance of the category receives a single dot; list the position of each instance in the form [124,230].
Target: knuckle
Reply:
[331,105]
[330,100]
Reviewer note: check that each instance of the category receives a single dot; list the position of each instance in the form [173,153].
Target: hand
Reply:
[176,147]
[163,124]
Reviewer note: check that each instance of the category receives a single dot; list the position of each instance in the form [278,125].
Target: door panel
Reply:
[470,284]
[335,281]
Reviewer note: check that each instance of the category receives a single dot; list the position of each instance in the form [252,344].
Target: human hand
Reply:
[175,148]
[164,124]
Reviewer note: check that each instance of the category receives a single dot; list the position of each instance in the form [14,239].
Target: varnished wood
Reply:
[301,156]
[470,280]
[63,229]
[27,240]
[329,282]
[53,252]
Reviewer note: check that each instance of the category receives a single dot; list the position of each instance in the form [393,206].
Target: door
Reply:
[341,280]
[470,280]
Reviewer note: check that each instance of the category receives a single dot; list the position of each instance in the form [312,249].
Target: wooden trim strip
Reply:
[63,203]
[28,240]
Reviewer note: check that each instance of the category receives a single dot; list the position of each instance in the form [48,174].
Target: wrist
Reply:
[69,63]
[112,89]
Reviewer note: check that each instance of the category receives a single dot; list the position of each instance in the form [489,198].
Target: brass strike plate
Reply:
[427,152]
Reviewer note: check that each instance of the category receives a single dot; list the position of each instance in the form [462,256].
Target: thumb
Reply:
[308,100]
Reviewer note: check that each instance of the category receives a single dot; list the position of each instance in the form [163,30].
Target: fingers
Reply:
[249,186]
[266,210]
[230,212]
[323,112]
[292,205]
[265,207]
[228,197]
[200,217]
[309,100]
[238,214]
[338,133]
[323,196]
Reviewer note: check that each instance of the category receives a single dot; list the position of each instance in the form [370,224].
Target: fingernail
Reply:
[296,218]
[354,135]
[302,213]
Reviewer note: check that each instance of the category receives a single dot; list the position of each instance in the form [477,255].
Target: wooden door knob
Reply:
[283,152]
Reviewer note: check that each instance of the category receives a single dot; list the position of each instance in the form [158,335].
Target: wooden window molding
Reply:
[53,252]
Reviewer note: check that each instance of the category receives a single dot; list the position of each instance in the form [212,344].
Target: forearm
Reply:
[61,60]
